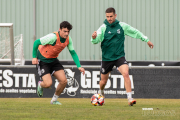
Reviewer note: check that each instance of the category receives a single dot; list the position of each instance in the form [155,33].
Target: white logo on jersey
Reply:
[109,32]
[118,31]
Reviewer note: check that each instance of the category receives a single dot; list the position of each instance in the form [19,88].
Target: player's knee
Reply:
[64,82]
[103,82]
[125,75]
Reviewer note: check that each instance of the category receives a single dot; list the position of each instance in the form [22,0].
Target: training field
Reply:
[81,109]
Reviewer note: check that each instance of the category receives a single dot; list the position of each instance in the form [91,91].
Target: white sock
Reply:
[101,91]
[129,95]
[54,98]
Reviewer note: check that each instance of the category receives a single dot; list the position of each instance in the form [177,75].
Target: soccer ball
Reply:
[97,100]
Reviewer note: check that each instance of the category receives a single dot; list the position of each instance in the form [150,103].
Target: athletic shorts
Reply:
[107,66]
[45,68]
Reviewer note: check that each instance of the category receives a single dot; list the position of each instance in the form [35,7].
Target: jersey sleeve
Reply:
[73,53]
[70,45]
[35,48]
[132,32]
[75,58]
[100,35]
[48,39]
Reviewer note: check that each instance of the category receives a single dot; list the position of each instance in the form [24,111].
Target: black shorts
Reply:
[107,66]
[45,68]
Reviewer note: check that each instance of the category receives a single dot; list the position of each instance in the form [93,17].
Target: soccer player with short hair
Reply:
[45,53]
[112,35]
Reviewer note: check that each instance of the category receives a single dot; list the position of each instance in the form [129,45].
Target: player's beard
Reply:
[111,21]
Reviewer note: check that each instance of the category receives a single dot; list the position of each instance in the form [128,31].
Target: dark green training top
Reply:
[112,37]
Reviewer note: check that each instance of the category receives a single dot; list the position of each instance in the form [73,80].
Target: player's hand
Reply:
[150,44]
[82,70]
[94,35]
[34,61]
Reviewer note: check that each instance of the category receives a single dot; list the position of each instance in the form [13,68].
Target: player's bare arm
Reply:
[94,35]
[82,70]
[150,44]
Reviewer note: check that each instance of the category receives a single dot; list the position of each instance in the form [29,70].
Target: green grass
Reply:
[81,109]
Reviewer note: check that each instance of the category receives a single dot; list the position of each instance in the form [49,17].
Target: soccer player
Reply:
[111,34]
[45,53]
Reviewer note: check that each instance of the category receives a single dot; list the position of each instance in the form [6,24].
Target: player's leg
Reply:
[44,73]
[61,77]
[58,72]
[124,70]
[46,83]
[106,68]
[102,83]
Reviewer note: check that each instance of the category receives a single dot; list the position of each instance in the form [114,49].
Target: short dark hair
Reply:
[110,10]
[65,24]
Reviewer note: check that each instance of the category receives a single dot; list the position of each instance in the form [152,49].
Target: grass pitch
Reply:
[81,109]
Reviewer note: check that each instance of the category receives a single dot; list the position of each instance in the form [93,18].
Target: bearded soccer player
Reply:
[112,35]
[45,53]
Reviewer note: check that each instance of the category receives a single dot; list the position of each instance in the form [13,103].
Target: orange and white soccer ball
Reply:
[97,100]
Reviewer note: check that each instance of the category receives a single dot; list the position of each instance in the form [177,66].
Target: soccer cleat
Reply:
[131,102]
[39,90]
[56,103]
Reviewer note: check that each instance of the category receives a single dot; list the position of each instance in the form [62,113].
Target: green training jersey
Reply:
[112,37]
